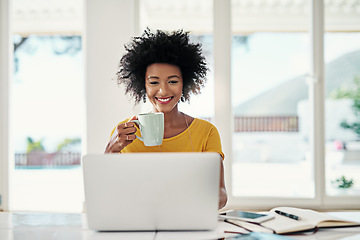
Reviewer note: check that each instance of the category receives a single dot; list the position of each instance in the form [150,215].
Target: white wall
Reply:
[4,101]
[109,25]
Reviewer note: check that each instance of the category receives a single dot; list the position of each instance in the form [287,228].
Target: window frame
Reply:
[315,81]
[5,70]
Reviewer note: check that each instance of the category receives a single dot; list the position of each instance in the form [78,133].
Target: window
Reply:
[297,179]
[342,92]
[46,108]
[47,116]
[270,143]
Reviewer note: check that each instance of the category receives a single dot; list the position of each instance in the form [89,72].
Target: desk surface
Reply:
[67,226]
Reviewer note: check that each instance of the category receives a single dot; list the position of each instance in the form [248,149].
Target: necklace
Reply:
[187,126]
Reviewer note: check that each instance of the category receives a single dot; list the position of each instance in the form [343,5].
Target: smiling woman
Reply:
[165,68]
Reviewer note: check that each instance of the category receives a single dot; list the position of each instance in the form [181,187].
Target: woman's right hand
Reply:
[123,135]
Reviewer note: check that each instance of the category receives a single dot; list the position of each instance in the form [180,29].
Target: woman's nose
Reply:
[163,89]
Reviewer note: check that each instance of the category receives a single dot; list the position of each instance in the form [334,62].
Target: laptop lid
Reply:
[151,191]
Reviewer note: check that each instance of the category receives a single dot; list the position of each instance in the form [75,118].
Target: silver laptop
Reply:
[151,191]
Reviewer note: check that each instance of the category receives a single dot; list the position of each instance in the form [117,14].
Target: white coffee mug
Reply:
[151,128]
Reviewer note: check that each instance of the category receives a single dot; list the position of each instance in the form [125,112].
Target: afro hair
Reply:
[162,47]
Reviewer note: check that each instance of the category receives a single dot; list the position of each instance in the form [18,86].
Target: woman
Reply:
[166,68]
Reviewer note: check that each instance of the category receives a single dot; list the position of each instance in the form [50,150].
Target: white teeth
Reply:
[164,99]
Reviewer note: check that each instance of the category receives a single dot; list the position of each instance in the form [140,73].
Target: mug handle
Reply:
[138,123]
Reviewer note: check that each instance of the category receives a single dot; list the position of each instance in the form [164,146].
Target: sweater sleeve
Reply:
[214,142]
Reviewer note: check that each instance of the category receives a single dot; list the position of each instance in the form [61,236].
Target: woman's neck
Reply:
[174,122]
[172,117]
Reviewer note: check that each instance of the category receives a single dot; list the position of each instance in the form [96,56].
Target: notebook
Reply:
[151,191]
[291,219]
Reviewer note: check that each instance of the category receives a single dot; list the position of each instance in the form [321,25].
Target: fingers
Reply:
[133,118]
[126,137]
[126,132]
[120,141]
[122,136]
[126,128]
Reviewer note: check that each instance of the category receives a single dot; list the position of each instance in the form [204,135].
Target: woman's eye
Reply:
[153,83]
[173,81]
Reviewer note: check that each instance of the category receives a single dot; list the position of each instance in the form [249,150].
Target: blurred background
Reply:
[270,60]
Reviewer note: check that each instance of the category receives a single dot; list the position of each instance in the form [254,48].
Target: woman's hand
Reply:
[223,194]
[123,135]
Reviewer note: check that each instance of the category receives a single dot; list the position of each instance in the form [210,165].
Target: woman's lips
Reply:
[164,100]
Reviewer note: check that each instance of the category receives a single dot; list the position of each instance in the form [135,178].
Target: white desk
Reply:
[62,226]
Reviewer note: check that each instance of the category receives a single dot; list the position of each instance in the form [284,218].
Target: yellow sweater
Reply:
[204,138]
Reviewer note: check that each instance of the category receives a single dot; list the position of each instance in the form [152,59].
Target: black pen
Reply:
[287,215]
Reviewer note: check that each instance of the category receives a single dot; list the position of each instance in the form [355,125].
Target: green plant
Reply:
[34,145]
[343,183]
[355,95]
[68,142]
